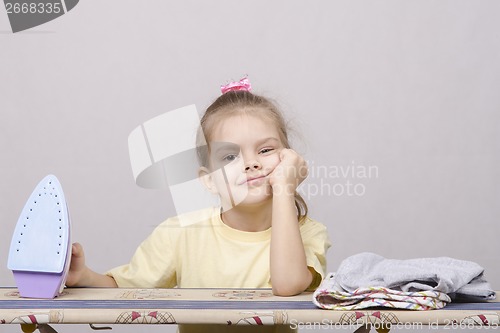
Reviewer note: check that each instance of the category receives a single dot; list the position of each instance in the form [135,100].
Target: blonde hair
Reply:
[242,102]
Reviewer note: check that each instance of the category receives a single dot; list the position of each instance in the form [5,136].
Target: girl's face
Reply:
[244,150]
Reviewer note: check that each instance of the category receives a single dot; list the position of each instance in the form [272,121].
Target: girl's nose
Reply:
[252,165]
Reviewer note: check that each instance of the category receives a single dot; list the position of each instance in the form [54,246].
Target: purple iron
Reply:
[40,250]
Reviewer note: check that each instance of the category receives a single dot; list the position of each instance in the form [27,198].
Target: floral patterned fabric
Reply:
[329,295]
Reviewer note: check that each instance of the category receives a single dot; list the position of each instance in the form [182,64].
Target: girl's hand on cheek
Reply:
[289,173]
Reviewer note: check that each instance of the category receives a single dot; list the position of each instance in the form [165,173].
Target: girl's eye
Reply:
[229,157]
[266,150]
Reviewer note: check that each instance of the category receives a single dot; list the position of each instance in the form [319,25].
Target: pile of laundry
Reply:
[369,280]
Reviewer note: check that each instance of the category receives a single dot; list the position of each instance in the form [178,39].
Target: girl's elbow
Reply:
[287,286]
[288,289]
[285,291]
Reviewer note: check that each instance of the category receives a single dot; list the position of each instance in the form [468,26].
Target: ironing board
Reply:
[223,306]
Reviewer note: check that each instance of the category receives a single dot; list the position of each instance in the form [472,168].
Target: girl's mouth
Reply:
[254,180]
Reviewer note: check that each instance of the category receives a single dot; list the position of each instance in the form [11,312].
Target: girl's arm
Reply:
[80,275]
[289,272]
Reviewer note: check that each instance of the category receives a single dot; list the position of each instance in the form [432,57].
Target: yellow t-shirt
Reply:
[197,250]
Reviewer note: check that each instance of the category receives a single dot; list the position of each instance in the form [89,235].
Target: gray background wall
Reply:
[410,87]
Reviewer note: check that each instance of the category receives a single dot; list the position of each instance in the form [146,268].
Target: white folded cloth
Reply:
[367,280]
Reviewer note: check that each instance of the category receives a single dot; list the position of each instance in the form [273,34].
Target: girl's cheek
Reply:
[273,161]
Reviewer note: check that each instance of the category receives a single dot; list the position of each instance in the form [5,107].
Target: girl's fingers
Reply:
[77,250]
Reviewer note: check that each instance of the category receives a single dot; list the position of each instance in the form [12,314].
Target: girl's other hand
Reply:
[77,266]
[289,173]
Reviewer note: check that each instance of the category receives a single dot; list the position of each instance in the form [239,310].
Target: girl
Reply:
[260,237]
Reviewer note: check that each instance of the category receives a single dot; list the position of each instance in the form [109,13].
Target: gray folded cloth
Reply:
[459,278]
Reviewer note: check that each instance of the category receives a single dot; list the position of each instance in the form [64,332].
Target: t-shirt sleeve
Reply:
[152,265]
[316,243]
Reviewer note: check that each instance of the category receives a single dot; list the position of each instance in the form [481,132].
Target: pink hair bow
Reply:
[243,84]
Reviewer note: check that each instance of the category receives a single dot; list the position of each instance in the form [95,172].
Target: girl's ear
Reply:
[207,180]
